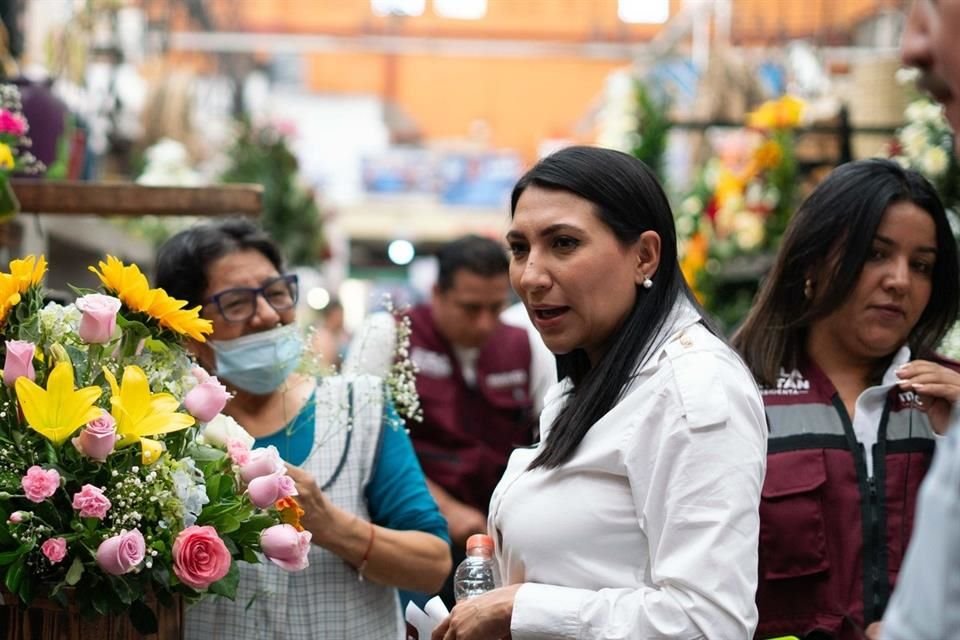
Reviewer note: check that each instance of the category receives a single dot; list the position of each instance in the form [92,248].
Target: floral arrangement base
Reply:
[44,619]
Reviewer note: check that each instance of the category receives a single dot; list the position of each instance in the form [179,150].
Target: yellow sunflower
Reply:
[28,271]
[129,284]
[24,274]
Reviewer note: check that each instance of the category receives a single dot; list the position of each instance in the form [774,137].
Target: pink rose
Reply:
[266,490]
[199,557]
[12,123]
[99,317]
[40,484]
[98,438]
[90,502]
[122,553]
[17,517]
[262,462]
[55,549]
[238,451]
[208,398]
[286,547]
[19,361]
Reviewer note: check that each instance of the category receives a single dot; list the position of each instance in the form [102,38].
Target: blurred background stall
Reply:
[381,128]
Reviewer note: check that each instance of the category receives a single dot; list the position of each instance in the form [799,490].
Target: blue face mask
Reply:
[259,363]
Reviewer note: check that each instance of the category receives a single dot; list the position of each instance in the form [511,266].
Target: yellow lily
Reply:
[59,410]
[150,450]
[140,413]
[6,157]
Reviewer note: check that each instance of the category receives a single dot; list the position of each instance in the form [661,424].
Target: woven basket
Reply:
[47,620]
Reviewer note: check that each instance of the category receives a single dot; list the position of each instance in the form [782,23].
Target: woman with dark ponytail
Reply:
[636,514]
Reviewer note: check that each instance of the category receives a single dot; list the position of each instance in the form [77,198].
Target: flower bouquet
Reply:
[13,138]
[121,483]
[738,209]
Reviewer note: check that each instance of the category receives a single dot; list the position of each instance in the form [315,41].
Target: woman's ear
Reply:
[648,256]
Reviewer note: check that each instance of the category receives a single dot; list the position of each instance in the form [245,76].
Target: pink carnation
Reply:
[40,484]
[90,502]
[55,549]
[238,451]
[12,123]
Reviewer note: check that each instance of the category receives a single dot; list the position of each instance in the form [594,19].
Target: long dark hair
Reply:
[629,200]
[182,261]
[828,241]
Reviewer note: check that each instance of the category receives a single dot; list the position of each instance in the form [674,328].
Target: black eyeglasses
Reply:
[239,305]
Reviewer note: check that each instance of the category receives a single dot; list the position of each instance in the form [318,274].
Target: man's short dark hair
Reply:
[476,254]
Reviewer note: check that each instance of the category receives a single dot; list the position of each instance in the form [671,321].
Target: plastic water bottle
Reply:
[477,573]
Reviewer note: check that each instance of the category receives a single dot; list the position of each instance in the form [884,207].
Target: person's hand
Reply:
[464,521]
[937,389]
[316,506]
[485,617]
[873,631]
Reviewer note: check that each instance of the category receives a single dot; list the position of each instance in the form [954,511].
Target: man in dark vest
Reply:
[473,382]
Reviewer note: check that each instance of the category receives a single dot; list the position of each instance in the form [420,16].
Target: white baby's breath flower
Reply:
[685,226]
[372,349]
[907,75]
[691,206]
[748,230]
[914,139]
[934,162]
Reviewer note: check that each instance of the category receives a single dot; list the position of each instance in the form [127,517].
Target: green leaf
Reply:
[9,556]
[15,575]
[143,618]
[203,453]
[213,486]
[228,524]
[123,590]
[5,537]
[51,451]
[156,346]
[74,572]
[100,599]
[160,573]
[227,586]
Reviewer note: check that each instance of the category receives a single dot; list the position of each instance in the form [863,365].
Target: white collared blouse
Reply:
[651,529]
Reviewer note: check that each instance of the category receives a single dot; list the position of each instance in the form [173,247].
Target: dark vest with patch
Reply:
[832,539]
[467,433]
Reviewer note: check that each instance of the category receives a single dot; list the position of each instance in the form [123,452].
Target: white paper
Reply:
[425,620]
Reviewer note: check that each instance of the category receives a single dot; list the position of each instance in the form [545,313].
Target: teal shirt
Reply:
[397,495]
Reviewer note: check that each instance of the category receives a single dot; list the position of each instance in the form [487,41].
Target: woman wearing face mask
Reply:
[374,525]
[841,340]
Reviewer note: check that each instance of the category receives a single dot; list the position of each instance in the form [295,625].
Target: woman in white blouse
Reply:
[636,515]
